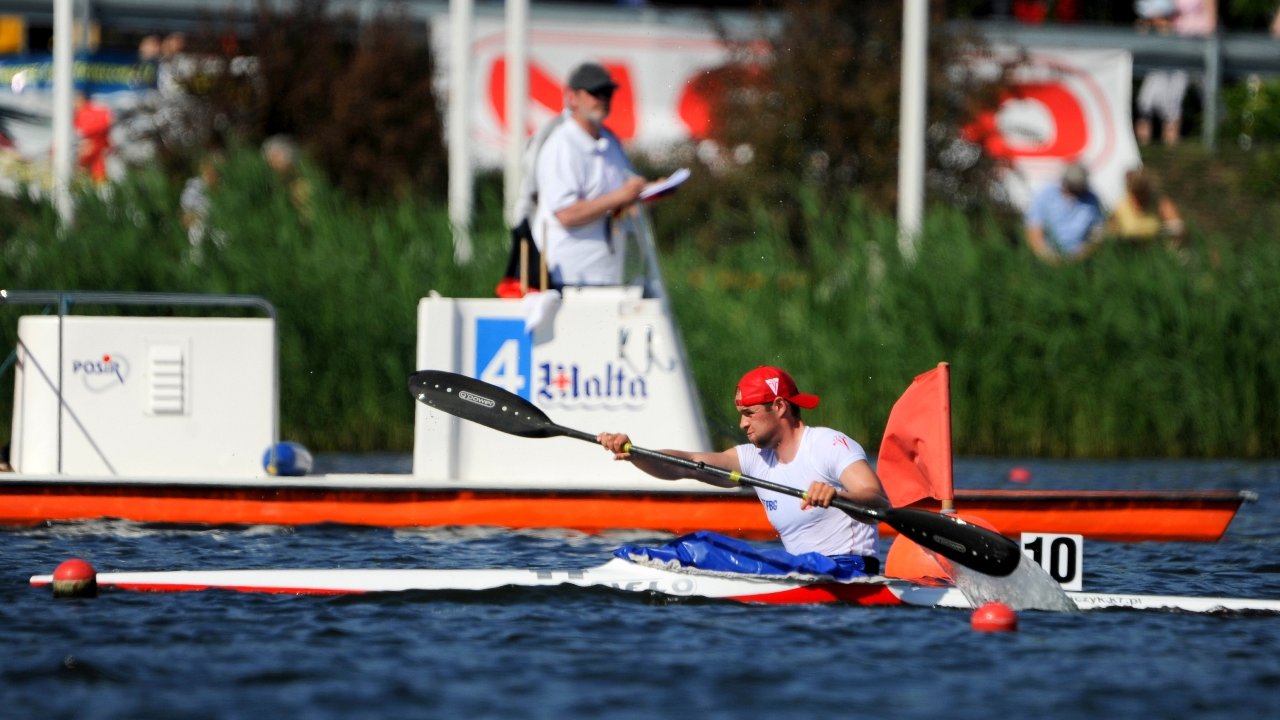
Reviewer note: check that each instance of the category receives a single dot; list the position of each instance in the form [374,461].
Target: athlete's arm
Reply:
[858,483]
[617,443]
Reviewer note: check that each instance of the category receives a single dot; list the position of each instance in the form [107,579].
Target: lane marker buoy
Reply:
[1020,475]
[994,616]
[75,578]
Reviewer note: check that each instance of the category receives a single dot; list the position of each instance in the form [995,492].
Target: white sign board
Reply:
[1062,556]
[603,359]
[144,396]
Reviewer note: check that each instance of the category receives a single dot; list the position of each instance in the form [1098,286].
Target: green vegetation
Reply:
[345,283]
[782,250]
[1138,352]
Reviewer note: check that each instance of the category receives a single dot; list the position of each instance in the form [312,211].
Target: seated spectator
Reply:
[1065,220]
[195,203]
[148,61]
[174,66]
[281,153]
[1143,214]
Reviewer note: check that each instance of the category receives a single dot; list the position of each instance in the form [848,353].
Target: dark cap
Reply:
[1076,178]
[592,78]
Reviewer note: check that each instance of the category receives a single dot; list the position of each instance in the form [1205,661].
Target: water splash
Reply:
[1029,587]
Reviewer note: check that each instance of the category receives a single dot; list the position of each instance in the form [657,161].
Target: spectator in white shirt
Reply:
[584,181]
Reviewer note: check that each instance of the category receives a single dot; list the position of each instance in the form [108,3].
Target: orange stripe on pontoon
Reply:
[1097,515]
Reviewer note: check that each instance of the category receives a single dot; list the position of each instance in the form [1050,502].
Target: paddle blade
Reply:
[482,403]
[970,545]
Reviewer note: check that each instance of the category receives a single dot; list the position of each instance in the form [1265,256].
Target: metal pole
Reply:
[1212,87]
[63,142]
[460,170]
[517,100]
[62,316]
[911,163]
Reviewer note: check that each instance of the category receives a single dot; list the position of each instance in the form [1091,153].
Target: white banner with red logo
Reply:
[1066,103]
[656,66]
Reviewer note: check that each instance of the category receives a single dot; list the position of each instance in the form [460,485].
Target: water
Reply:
[1029,587]
[557,653]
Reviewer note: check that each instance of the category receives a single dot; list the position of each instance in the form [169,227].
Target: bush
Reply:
[361,102]
[1253,112]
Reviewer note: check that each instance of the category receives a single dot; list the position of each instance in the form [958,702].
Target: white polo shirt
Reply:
[574,166]
[824,454]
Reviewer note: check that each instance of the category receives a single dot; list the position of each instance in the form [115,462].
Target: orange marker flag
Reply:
[915,455]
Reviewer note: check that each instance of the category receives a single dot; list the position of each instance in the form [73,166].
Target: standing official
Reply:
[584,181]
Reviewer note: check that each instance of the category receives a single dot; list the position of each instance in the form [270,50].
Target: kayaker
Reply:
[782,448]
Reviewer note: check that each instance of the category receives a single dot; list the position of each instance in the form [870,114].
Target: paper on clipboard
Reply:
[657,188]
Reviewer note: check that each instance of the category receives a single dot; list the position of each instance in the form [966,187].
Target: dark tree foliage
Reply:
[358,96]
[813,108]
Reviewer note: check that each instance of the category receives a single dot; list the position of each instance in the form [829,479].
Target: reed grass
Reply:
[1138,352]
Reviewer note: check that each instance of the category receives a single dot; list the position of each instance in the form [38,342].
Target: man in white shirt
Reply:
[783,449]
[584,180]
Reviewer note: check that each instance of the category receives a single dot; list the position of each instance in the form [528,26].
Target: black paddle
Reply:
[470,399]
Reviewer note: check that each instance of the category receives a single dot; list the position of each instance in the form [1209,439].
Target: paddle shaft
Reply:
[969,545]
[475,400]
[868,513]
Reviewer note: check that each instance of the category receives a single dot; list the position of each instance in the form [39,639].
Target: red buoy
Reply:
[75,578]
[994,616]
[1020,475]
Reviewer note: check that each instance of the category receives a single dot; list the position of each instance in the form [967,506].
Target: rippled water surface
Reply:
[557,653]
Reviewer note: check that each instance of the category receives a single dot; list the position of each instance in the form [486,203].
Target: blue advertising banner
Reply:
[93,72]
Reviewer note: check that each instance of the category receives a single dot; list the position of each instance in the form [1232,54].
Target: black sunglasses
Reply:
[602,94]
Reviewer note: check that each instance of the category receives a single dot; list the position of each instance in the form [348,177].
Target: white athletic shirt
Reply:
[824,453]
[573,166]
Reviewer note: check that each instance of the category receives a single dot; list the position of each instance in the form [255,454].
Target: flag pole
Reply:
[948,499]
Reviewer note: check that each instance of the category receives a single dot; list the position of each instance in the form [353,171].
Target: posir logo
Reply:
[103,374]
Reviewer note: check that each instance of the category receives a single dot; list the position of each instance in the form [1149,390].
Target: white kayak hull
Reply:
[624,576]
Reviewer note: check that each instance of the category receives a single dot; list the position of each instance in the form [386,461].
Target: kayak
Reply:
[625,576]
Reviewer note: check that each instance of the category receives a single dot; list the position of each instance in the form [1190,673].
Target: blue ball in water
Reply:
[290,459]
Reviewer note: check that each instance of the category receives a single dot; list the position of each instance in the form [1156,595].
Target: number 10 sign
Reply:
[1062,556]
